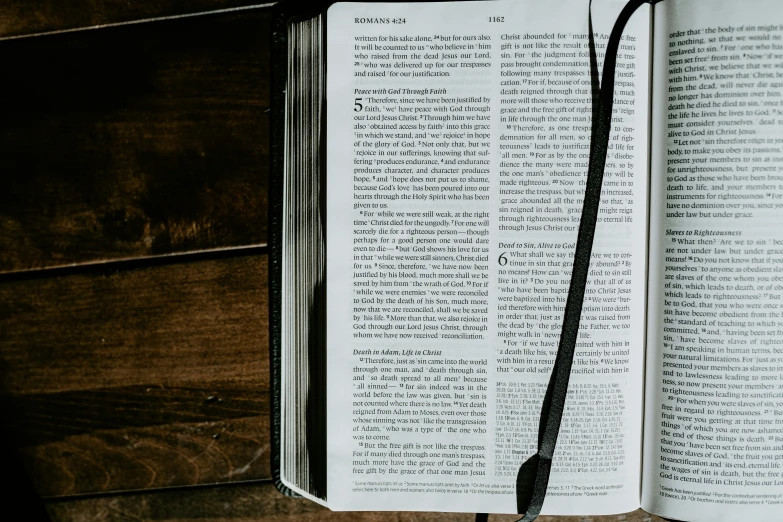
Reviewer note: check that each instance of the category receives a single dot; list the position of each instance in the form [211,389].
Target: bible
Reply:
[430,162]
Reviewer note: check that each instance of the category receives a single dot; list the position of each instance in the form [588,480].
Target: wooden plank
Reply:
[166,455]
[261,502]
[159,326]
[135,141]
[151,377]
[25,17]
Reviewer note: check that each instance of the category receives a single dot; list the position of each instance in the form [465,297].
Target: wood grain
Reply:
[261,502]
[138,379]
[134,141]
[24,17]
[173,454]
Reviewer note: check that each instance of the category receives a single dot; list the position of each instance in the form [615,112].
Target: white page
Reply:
[446,287]
[713,429]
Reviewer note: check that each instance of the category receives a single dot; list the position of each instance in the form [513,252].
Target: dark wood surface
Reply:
[134,141]
[139,390]
[25,17]
[139,379]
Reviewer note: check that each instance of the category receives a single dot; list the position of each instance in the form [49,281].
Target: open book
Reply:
[419,327]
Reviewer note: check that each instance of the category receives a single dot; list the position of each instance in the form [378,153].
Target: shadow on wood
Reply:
[134,141]
[24,17]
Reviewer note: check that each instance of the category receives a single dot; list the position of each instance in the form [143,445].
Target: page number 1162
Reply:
[497,19]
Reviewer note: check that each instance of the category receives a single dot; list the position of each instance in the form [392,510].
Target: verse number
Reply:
[502,261]
[497,19]
[357,107]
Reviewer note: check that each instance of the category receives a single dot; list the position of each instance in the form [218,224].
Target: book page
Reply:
[714,416]
[458,143]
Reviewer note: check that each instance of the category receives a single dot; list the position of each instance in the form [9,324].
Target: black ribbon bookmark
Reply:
[533,475]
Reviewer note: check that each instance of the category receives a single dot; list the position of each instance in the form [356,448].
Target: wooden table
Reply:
[134,364]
